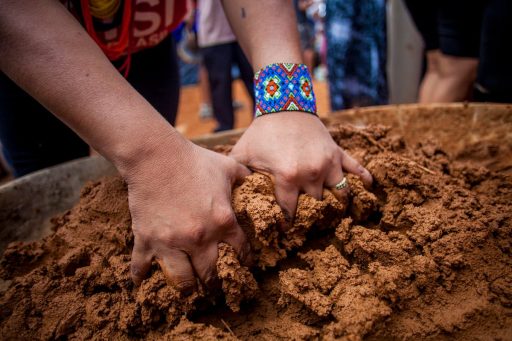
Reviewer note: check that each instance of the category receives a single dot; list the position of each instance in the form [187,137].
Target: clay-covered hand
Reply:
[180,203]
[296,150]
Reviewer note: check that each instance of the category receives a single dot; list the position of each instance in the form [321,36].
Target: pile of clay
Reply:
[424,254]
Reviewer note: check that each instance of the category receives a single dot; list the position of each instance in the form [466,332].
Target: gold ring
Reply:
[342,184]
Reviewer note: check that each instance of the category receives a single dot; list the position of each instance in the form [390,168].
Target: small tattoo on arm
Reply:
[242,12]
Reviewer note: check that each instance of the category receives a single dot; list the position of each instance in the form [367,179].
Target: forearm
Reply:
[46,52]
[266,30]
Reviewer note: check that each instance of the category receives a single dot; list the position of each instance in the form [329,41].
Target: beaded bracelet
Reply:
[283,87]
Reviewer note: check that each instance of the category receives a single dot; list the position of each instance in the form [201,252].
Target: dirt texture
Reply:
[425,254]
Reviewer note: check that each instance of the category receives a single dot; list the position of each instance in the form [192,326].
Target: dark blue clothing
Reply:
[495,66]
[452,26]
[32,138]
[356,52]
[473,29]
[218,60]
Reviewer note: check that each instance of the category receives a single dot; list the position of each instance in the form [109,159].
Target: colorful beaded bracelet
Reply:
[283,87]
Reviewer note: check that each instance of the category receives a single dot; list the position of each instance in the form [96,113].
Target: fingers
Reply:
[286,197]
[240,173]
[314,189]
[237,239]
[238,155]
[177,268]
[205,264]
[334,177]
[204,260]
[140,262]
[354,167]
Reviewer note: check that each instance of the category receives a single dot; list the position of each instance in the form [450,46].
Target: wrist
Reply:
[281,87]
[289,120]
[130,153]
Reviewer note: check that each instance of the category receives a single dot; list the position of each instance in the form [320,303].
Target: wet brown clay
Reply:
[425,254]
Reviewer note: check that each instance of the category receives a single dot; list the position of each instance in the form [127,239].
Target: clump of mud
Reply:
[426,254]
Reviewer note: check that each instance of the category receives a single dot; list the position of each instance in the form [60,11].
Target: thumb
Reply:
[287,197]
[239,155]
[352,166]
[140,262]
[238,173]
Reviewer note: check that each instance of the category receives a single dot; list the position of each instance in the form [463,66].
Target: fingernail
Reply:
[186,288]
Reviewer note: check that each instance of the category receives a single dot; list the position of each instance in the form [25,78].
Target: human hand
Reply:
[296,150]
[180,203]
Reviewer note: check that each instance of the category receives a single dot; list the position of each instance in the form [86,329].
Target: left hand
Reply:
[298,153]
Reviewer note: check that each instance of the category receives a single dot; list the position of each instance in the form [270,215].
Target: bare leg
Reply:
[457,77]
[448,78]
[431,78]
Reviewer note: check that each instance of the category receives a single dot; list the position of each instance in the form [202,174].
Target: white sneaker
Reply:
[205,111]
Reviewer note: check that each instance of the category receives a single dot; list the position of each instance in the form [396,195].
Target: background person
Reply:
[494,74]
[32,138]
[451,34]
[468,56]
[356,53]
[220,52]
[306,28]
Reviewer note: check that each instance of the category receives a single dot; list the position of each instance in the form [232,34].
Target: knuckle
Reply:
[332,154]
[165,236]
[197,235]
[224,216]
[290,174]
[142,242]
[315,171]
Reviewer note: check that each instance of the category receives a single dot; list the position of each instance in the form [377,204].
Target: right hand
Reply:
[298,153]
[180,203]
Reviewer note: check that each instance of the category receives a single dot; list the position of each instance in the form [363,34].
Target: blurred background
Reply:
[360,53]
[404,66]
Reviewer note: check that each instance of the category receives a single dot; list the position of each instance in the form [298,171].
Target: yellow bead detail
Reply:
[104,9]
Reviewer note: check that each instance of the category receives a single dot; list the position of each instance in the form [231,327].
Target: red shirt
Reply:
[152,21]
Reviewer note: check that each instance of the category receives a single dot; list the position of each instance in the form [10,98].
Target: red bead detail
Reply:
[272,87]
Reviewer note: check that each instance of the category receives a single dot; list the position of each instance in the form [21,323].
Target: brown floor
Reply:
[189,123]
